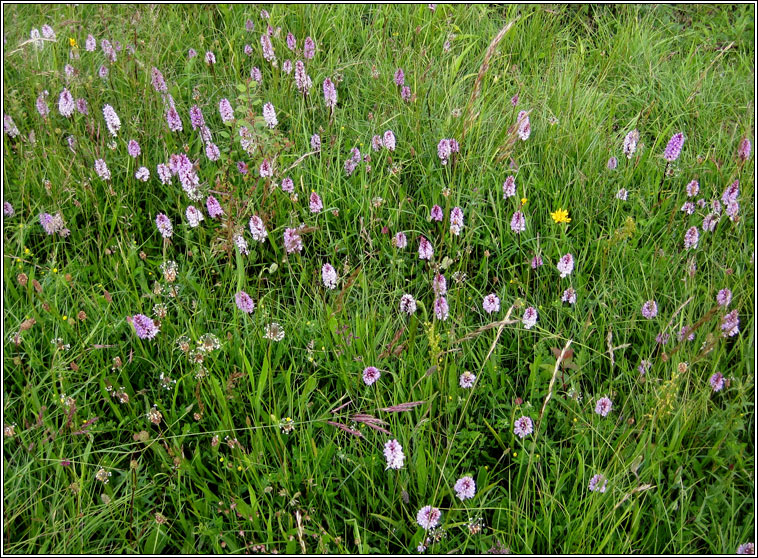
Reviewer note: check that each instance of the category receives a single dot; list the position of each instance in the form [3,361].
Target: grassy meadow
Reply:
[468,279]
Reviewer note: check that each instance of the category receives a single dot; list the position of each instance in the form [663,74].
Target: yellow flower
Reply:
[55,270]
[523,201]
[72,42]
[65,318]
[561,216]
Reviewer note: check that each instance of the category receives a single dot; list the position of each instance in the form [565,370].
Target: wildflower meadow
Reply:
[378,279]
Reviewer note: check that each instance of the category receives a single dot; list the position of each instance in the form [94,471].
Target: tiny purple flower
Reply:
[566,265]
[144,326]
[330,93]
[164,225]
[407,304]
[630,143]
[650,309]
[441,309]
[518,222]
[133,148]
[691,238]
[292,241]
[674,147]
[743,152]
[491,303]
[523,427]
[717,381]
[102,169]
[465,488]
[530,317]
[309,48]
[269,115]
[142,174]
[212,152]
[730,324]
[425,249]
[603,406]
[288,185]
[225,110]
[466,380]
[456,220]
[569,295]
[509,187]
[214,208]
[194,216]
[266,169]
[316,205]
[393,452]
[598,483]
[389,140]
[693,187]
[370,375]
[399,77]
[428,517]
[257,229]
[329,276]
[724,297]
[66,103]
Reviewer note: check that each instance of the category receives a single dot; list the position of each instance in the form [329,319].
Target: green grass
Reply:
[678,457]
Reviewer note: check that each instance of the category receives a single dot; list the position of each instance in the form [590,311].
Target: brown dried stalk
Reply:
[564,352]
[480,77]
[345,428]
[402,407]
[708,315]
[335,410]
[501,324]
[347,285]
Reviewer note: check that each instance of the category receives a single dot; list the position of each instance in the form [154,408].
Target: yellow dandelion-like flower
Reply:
[523,201]
[72,42]
[560,216]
